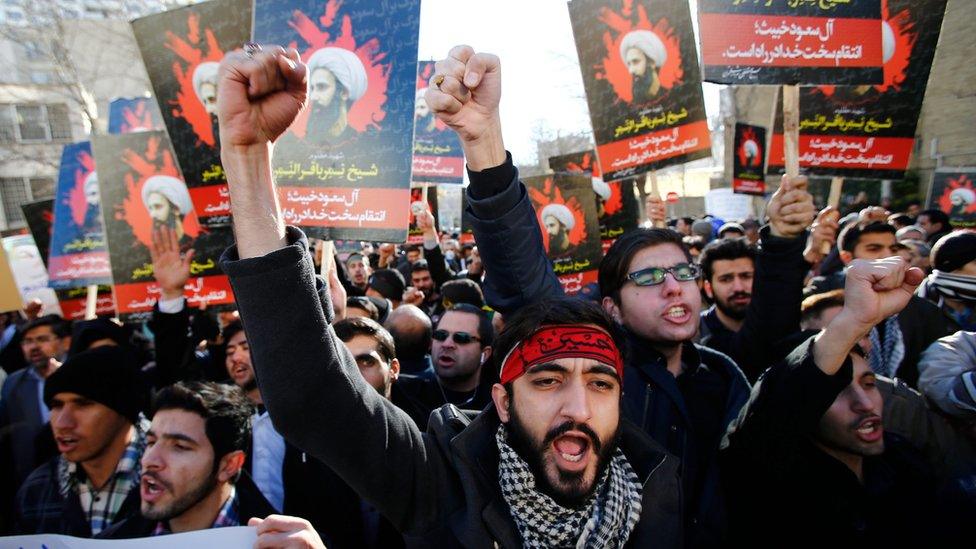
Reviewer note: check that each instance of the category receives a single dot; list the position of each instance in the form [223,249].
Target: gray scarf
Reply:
[605,520]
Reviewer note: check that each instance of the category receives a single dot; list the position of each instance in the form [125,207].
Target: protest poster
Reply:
[40,220]
[133,114]
[142,190]
[437,154]
[953,191]
[10,299]
[78,255]
[567,218]
[343,167]
[182,50]
[29,272]
[728,206]
[421,199]
[790,42]
[234,536]
[643,87]
[749,160]
[616,204]
[869,131]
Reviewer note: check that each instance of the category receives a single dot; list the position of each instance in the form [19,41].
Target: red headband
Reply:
[561,341]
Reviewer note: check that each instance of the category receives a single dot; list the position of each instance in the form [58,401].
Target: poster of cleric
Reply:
[790,42]
[133,114]
[182,50]
[343,167]
[616,204]
[566,213]
[954,192]
[437,154]
[78,255]
[142,191]
[643,86]
[868,131]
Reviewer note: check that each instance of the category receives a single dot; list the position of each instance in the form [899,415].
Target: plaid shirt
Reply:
[226,517]
[101,506]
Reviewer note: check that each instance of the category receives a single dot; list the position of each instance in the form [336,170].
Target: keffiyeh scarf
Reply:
[885,357]
[605,520]
[953,286]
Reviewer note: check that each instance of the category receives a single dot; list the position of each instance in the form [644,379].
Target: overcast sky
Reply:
[541,82]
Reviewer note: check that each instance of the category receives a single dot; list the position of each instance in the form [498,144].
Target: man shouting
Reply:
[548,463]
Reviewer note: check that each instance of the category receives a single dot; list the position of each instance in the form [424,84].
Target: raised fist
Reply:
[465,90]
[877,289]
[259,95]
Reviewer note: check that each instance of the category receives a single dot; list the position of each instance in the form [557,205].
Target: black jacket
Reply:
[774,312]
[680,414]
[441,486]
[250,503]
[780,486]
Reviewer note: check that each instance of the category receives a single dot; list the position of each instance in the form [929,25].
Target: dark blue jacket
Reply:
[518,272]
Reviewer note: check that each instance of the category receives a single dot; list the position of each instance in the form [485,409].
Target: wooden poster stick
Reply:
[833,199]
[328,254]
[91,302]
[791,129]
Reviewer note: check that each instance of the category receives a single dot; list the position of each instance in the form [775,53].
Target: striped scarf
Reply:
[605,520]
[954,286]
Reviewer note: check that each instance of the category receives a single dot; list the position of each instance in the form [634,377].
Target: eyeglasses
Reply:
[461,338]
[652,276]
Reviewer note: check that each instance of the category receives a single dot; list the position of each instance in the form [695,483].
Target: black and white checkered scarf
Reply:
[605,520]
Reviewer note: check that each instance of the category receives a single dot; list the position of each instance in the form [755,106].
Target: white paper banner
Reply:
[238,536]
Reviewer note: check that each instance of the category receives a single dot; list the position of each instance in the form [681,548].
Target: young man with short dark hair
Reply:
[191,468]
[96,400]
[935,223]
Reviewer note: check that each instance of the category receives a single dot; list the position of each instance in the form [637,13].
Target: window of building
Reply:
[33,126]
[33,50]
[41,188]
[14,192]
[34,123]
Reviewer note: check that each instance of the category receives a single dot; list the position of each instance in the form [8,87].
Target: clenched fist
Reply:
[259,96]
[464,92]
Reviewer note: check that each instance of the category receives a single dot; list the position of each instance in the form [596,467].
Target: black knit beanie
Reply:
[953,250]
[107,375]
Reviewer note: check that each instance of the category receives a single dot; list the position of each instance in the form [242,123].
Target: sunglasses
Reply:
[461,338]
[652,276]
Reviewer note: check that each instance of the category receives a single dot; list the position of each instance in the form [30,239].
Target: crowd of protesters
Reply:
[728,385]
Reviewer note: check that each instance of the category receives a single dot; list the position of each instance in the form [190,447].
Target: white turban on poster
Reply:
[205,73]
[887,42]
[561,213]
[962,196]
[647,42]
[601,188]
[172,188]
[345,66]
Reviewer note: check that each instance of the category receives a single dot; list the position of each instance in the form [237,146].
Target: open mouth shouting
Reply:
[151,489]
[678,313]
[870,430]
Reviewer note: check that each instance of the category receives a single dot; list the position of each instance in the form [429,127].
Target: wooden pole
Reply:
[791,129]
[91,302]
[328,253]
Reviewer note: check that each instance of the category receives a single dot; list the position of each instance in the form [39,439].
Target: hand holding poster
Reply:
[78,255]
[437,154]
[749,160]
[182,50]
[343,167]
[415,235]
[616,205]
[761,42]
[566,213]
[640,72]
[142,191]
[954,192]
